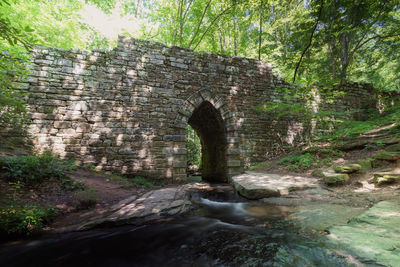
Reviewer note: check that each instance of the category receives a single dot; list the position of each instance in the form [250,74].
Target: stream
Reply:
[220,232]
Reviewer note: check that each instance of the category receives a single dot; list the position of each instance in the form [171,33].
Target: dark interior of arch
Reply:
[206,120]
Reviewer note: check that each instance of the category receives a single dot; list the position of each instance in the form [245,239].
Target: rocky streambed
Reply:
[211,225]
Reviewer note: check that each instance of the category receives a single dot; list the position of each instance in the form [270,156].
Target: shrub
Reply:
[12,103]
[303,160]
[32,170]
[87,198]
[298,162]
[24,220]
[138,180]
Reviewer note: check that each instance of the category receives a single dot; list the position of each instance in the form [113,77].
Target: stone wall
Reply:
[388,99]
[126,110]
[354,100]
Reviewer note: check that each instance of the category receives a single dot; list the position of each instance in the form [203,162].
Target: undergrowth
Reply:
[302,160]
[32,170]
[18,219]
[351,128]
[24,219]
[126,181]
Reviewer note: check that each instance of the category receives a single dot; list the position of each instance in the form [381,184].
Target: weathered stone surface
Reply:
[385,155]
[320,216]
[393,148]
[135,210]
[348,168]
[335,178]
[373,236]
[386,178]
[257,185]
[140,96]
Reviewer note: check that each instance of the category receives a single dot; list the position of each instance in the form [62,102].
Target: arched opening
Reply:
[209,125]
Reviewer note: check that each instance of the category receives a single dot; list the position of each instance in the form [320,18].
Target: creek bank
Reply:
[151,206]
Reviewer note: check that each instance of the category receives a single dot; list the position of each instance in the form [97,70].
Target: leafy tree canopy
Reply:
[312,41]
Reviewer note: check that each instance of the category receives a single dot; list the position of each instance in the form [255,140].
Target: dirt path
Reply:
[107,190]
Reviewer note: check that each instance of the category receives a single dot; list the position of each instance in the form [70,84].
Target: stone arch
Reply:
[201,103]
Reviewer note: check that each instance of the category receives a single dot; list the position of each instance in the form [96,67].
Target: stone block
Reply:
[179,164]
[174,138]
[234,163]
[174,151]
[62,124]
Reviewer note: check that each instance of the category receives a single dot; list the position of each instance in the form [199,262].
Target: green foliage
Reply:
[14,191]
[257,165]
[32,170]
[12,32]
[193,147]
[87,198]
[350,128]
[24,220]
[313,156]
[141,181]
[298,162]
[12,103]
[19,219]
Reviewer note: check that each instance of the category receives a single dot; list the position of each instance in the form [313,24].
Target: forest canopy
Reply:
[309,41]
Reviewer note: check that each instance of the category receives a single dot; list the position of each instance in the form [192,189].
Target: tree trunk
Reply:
[260,30]
[221,42]
[333,61]
[235,35]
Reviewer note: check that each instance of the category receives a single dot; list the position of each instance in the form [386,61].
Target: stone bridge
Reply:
[127,110]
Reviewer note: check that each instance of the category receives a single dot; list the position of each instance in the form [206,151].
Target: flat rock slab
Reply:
[373,236]
[138,209]
[257,185]
[320,216]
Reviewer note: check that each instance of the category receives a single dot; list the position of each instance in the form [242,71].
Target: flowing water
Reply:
[218,233]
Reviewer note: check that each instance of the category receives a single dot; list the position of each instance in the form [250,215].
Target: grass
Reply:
[258,165]
[87,198]
[349,128]
[302,160]
[127,181]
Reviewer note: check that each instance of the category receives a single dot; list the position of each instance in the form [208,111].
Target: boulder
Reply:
[331,178]
[386,178]
[348,168]
[257,185]
[135,210]
[318,173]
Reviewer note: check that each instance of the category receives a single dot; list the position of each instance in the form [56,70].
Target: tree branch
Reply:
[211,24]
[198,26]
[310,41]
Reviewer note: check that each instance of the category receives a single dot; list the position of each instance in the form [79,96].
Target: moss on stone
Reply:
[348,168]
[335,178]
[386,155]
[365,164]
[386,178]
[318,173]
[393,148]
